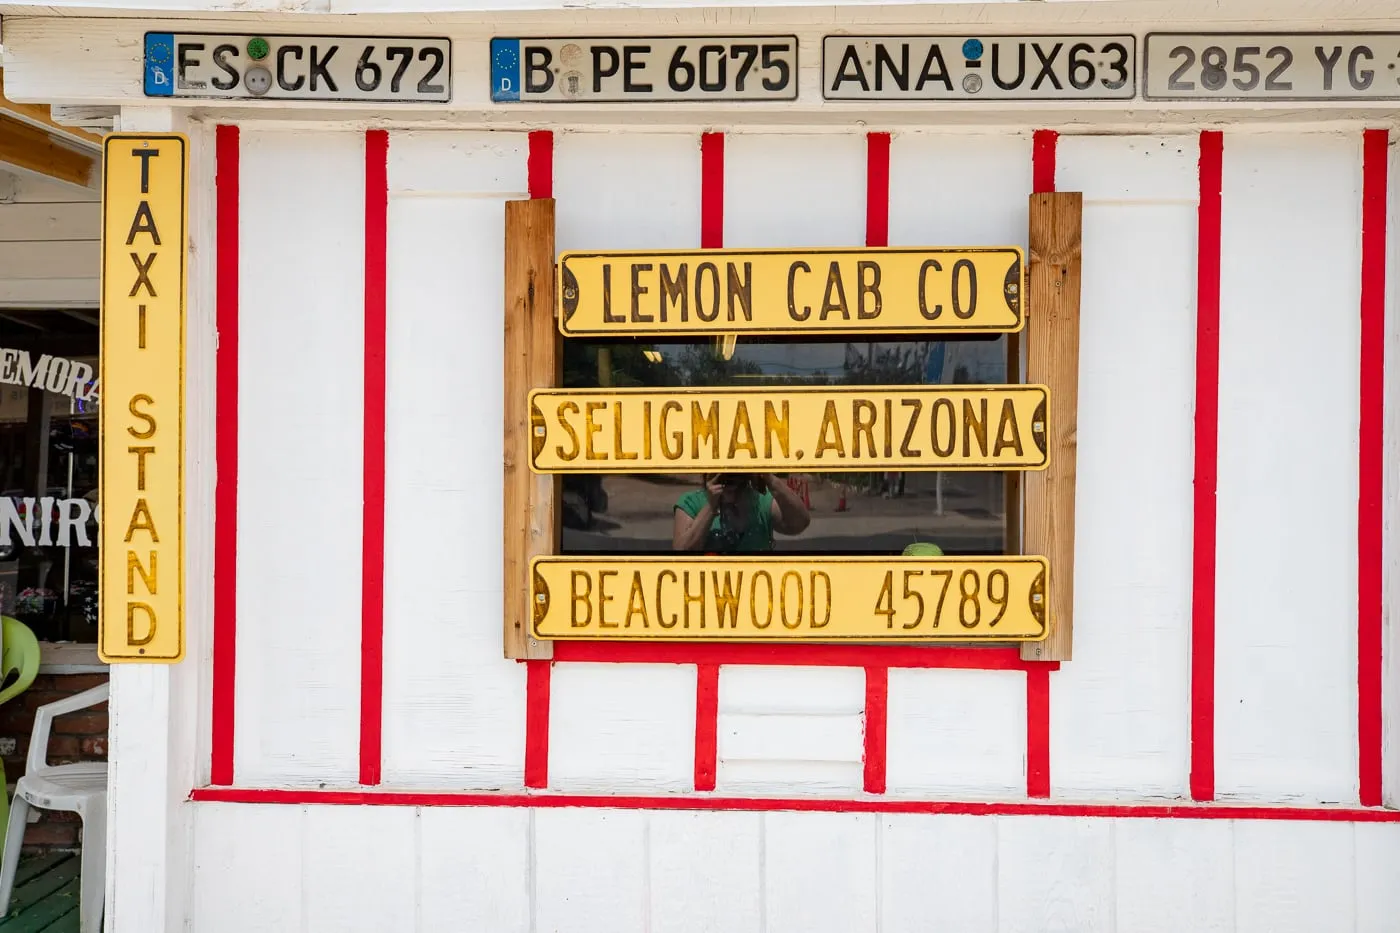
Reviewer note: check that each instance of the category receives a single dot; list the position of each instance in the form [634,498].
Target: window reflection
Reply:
[878,512]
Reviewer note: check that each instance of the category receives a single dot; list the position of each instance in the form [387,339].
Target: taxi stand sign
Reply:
[144,222]
[865,599]
[791,292]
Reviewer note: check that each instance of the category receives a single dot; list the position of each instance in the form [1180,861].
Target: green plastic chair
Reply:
[19,664]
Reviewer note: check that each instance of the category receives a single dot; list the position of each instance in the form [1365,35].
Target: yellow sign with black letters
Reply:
[868,599]
[809,292]
[144,219]
[817,428]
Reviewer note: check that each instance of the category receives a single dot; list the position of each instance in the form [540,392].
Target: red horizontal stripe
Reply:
[797,655]
[370,798]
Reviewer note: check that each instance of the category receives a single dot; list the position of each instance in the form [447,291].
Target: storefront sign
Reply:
[799,292]
[72,378]
[387,69]
[1272,66]
[793,599]
[817,428]
[970,68]
[644,69]
[144,214]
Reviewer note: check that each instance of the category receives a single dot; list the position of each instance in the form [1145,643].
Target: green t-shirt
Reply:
[757,536]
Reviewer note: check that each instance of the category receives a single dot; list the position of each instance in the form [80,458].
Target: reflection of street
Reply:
[639,515]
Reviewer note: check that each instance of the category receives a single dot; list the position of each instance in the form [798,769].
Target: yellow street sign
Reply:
[144,217]
[874,599]
[817,428]
[793,292]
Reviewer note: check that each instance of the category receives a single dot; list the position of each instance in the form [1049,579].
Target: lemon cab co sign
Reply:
[144,219]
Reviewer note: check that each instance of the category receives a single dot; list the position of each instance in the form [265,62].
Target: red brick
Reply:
[63,749]
[51,833]
[85,723]
[77,683]
[93,749]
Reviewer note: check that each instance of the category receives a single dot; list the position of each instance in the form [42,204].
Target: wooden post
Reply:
[532,361]
[1052,359]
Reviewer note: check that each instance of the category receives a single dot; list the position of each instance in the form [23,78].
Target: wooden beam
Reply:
[532,360]
[41,113]
[34,150]
[1052,359]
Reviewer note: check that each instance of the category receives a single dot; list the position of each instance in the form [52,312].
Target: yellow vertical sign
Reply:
[144,216]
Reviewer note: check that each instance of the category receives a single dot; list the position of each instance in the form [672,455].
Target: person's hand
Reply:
[771,480]
[713,489]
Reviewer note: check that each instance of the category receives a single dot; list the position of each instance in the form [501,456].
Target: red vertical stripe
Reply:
[1370,606]
[712,191]
[877,686]
[1043,148]
[539,169]
[877,189]
[1038,731]
[1206,470]
[707,675]
[706,724]
[539,166]
[537,723]
[372,562]
[225,453]
[1043,151]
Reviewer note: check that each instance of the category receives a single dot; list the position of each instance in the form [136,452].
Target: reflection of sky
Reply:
[985,360]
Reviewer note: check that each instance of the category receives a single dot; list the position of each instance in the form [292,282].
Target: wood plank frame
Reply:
[27,147]
[532,360]
[1051,344]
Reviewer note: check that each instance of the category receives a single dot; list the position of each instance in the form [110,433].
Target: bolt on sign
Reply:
[791,292]
[144,218]
[868,599]
[820,428]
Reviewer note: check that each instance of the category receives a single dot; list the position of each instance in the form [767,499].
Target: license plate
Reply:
[972,68]
[798,599]
[1272,66]
[641,69]
[389,69]
[822,429]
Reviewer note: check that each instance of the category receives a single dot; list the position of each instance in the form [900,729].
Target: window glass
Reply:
[49,394]
[850,513]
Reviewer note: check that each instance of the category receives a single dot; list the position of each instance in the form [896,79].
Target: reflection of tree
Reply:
[700,364]
[885,364]
[626,364]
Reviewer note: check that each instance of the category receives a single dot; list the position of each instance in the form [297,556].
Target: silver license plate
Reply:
[642,69]
[972,68]
[387,69]
[1272,66]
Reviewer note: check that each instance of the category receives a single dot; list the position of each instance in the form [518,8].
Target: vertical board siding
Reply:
[1174,875]
[238,850]
[725,893]
[820,871]
[474,870]
[787,727]
[301,380]
[1120,716]
[1289,334]
[1377,874]
[591,871]
[961,733]
[959,190]
[1299,879]
[353,877]
[453,707]
[938,873]
[615,727]
[1054,874]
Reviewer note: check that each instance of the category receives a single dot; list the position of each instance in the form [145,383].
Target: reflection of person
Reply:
[737,513]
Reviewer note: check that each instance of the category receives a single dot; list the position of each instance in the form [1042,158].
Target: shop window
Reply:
[867,513]
[49,511]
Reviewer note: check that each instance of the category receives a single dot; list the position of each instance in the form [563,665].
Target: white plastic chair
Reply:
[80,788]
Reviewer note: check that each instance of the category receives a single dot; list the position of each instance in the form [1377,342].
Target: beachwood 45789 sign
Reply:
[142,417]
[782,291]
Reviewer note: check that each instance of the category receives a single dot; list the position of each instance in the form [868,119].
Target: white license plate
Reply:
[1272,66]
[975,68]
[389,69]
[642,69]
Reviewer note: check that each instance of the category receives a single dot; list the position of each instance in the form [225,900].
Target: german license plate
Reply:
[979,68]
[388,69]
[641,69]
[1277,66]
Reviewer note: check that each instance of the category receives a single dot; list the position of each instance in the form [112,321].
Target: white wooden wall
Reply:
[49,246]
[454,710]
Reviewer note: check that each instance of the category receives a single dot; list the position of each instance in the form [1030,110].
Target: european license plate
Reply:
[979,68]
[641,69]
[1273,66]
[387,69]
